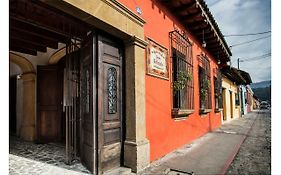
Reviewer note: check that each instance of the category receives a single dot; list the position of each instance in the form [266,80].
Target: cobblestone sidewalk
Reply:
[27,158]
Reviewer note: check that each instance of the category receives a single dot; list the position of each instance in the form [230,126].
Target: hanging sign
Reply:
[157,60]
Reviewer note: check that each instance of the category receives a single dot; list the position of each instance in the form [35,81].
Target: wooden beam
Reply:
[183,7]
[190,16]
[214,50]
[200,26]
[207,38]
[199,32]
[213,46]
[212,42]
[166,1]
[27,45]
[195,23]
[210,37]
[40,14]
[36,34]
[16,23]
[23,50]
[26,36]
[195,19]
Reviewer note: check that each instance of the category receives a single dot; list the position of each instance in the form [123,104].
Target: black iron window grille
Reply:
[182,71]
[112,90]
[205,83]
[218,89]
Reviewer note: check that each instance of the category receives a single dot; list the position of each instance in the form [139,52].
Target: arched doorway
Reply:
[14,94]
[25,103]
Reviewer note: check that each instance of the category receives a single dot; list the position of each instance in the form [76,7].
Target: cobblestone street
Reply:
[210,153]
[254,156]
[27,158]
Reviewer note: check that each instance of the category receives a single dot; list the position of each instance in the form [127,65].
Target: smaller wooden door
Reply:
[49,104]
[109,104]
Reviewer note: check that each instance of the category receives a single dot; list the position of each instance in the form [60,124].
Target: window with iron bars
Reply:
[182,75]
[218,89]
[205,84]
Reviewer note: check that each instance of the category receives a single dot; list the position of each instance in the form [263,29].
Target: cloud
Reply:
[246,16]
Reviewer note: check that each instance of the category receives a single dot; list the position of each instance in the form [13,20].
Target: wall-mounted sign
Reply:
[157,60]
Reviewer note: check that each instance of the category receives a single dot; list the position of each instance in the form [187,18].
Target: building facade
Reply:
[231,102]
[233,83]
[121,83]
[250,98]
[244,95]
[256,104]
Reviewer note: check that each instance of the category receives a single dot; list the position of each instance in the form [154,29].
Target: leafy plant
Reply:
[182,78]
[204,89]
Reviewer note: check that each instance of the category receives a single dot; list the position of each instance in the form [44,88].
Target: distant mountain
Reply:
[262,90]
[263,94]
[262,84]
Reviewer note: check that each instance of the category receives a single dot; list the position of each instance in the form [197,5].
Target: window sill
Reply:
[181,113]
[218,110]
[204,111]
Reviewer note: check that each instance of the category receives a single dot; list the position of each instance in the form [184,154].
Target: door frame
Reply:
[224,104]
[231,104]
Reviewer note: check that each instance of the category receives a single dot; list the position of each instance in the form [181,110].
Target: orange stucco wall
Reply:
[164,133]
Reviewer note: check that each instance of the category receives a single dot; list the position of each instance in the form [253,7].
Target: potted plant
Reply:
[204,92]
[179,84]
[182,78]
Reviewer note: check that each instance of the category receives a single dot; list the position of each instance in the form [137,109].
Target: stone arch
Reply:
[55,58]
[28,116]
[25,65]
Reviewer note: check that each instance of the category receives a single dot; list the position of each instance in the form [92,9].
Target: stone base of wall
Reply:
[136,155]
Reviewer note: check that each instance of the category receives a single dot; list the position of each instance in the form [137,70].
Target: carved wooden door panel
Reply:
[109,104]
[87,105]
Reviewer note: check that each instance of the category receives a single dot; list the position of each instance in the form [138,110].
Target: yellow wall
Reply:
[230,86]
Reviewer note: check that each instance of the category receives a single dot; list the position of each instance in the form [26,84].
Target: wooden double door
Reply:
[100,104]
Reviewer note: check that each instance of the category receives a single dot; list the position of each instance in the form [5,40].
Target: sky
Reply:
[245,17]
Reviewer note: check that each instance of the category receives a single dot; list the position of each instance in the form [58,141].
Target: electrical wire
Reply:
[246,42]
[249,34]
[268,54]
[255,57]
